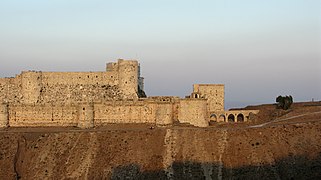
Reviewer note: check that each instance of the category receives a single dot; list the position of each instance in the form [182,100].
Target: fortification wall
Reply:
[164,113]
[120,81]
[124,112]
[4,119]
[42,115]
[65,87]
[214,93]
[87,115]
[31,84]
[10,90]
[193,111]
[79,93]
[83,78]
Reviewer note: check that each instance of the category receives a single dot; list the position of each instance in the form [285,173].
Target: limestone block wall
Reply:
[67,87]
[164,107]
[86,115]
[10,90]
[164,113]
[31,84]
[79,93]
[124,112]
[214,93]
[42,115]
[120,81]
[83,78]
[193,111]
[4,119]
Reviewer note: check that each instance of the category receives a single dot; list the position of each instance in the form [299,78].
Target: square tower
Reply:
[214,93]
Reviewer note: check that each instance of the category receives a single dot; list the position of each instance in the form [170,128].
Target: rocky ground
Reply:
[288,147]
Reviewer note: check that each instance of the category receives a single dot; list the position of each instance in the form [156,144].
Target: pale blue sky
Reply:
[258,49]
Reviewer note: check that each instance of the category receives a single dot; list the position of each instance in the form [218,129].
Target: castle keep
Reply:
[88,99]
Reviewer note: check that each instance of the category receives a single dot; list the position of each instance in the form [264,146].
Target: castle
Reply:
[91,99]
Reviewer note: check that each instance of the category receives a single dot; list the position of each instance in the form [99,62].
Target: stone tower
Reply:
[128,78]
[214,93]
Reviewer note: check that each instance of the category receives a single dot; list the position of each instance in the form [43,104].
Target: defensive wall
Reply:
[120,81]
[91,99]
[87,115]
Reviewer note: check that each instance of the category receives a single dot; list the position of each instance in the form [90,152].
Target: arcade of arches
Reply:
[233,116]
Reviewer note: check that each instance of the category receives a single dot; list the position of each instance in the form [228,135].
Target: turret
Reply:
[128,78]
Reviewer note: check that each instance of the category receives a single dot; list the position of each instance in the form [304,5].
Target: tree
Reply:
[284,102]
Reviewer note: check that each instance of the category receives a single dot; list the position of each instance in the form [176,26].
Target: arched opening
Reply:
[213,120]
[221,118]
[213,117]
[240,118]
[231,118]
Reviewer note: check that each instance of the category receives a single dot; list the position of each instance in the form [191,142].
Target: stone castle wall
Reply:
[4,115]
[88,99]
[87,115]
[124,112]
[193,111]
[120,81]
[10,90]
[42,115]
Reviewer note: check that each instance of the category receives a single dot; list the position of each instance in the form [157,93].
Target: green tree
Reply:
[284,102]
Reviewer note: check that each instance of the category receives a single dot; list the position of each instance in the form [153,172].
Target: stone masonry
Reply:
[88,99]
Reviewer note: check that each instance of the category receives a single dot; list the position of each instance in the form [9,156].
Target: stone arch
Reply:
[231,118]
[213,117]
[221,118]
[240,117]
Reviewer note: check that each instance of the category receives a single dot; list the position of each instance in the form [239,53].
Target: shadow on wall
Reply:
[292,167]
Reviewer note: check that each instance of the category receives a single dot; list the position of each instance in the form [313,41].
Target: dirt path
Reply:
[285,119]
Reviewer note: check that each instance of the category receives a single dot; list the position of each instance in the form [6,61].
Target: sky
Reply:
[258,49]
